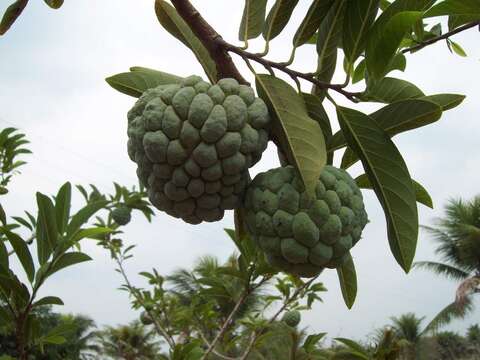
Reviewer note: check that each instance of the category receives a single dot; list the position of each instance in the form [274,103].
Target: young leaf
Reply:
[11,15]
[359,73]
[253,19]
[3,216]
[175,25]
[310,24]
[23,254]
[278,18]
[54,4]
[138,80]
[47,234]
[389,90]
[457,49]
[329,36]
[48,300]
[301,137]
[390,178]
[311,342]
[421,194]
[62,206]
[91,233]
[359,17]
[348,281]
[384,40]
[68,259]
[83,215]
[455,7]
[446,101]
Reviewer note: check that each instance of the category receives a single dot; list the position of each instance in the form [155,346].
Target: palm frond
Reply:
[449,271]
[407,326]
[467,288]
[448,314]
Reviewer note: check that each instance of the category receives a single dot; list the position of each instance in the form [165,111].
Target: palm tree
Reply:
[457,235]
[129,342]
[407,327]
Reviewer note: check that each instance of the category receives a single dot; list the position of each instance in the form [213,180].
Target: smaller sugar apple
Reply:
[299,233]
[193,144]
[292,318]
[122,215]
[145,319]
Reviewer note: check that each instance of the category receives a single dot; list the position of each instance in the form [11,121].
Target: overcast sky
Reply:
[52,70]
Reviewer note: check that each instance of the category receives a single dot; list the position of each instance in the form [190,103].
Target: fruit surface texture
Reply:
[193,144]
[303,233]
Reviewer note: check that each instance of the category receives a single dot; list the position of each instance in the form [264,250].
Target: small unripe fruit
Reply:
[122,215]
[292,318]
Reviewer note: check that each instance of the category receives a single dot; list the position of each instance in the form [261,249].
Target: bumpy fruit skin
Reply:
[292,318]
[122,215]
[302,234]
[193,144]
[145,318]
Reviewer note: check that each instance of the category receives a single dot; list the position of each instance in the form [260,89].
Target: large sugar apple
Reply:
[299,233]
[193,144]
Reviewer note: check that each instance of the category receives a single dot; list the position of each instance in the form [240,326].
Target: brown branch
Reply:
[219,51]
[207,35]
[441,37]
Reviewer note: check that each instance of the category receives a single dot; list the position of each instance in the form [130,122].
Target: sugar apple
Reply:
[292,318]
[299,233]
[122,215]
[193,144]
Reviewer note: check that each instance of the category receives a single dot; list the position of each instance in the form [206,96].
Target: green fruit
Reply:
[145,318]
[194,143]
[122,215]
[292,318]
[300,233]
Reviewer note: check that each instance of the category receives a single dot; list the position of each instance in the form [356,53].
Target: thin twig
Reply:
[248,291]
[287,302]
[161,331]
[441,37]
[205,340]
[219,51]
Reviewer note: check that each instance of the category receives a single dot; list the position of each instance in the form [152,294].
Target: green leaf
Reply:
[23,254]
[328,40]
[389,90]
[11,15]
[175,25]
[446,101]
[301,137]
[54,339]
[399,117]
[83,215]
[311,341]
[62,206]
[278,18]
[456,7]
[310,24]
[390,178]
[90,233]
[457,49]
[138,80]
[68,259]
[354,346]
[384,40]
[4,263]
[253,19]
[3,216]
[421,194]
[455,21]
[359,17]
[348,281]
[46,233]
[54,4]
[359,73]
[48,300]
[317,112]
